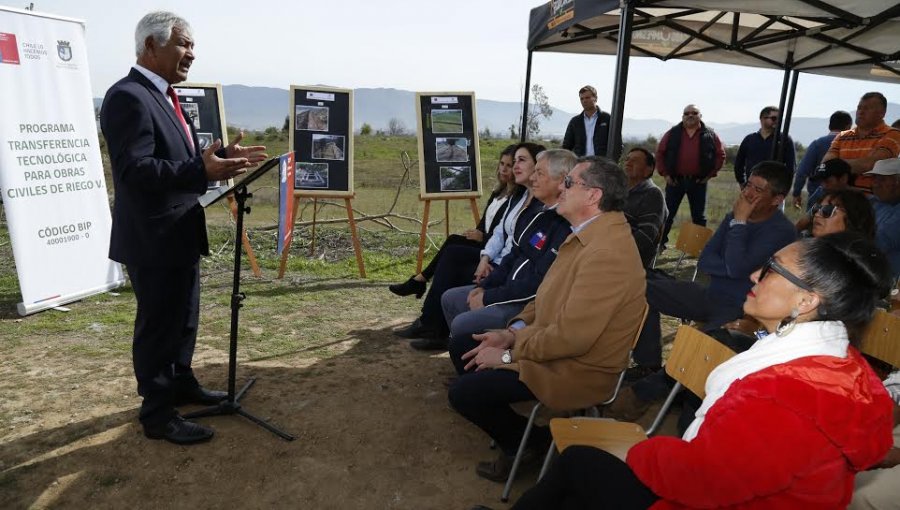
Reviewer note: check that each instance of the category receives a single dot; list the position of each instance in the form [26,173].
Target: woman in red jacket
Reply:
[784,425]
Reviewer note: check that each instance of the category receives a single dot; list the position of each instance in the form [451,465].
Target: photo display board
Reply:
[321,135]
[449,159]
[205,108]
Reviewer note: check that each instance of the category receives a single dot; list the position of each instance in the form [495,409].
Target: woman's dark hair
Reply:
[860,217]
[533,148]
[850,275]
[507,189]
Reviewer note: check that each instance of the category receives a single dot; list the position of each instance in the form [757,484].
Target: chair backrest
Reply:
[694,355]
[881,339]
[692,238]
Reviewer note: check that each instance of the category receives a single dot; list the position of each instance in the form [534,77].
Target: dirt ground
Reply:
[370,415]
[372,426]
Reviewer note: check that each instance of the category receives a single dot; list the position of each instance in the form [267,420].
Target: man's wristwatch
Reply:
[506,357]
[734,222]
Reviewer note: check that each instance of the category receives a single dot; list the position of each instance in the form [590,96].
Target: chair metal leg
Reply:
[551,452]
[515,467]
[661,415]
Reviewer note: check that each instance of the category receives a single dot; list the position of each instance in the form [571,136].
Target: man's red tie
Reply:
[174,97]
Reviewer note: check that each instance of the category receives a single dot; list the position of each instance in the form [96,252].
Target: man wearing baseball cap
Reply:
[831,175]
[886,202]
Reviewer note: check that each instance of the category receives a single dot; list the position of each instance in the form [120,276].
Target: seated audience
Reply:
[754,230]
[886,202]
[870,141]
[456,264]
[832,175]
[839,121]
[645,207]
[567,346]
[841,210]
[474,238]
[785,424]
[504,292]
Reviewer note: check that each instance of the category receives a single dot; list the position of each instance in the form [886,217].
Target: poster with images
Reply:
[321,136]
[449,160]
[205,109]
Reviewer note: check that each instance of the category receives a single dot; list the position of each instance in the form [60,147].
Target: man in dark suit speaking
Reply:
[159,229]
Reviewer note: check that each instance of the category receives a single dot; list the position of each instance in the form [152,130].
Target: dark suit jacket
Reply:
[575,139]
[157,178]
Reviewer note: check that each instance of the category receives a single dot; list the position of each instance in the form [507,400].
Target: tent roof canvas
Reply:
[844,38]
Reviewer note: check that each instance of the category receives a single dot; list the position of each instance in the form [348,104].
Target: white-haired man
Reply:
[158,229]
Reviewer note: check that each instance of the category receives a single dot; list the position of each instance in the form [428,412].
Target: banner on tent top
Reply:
[51,174]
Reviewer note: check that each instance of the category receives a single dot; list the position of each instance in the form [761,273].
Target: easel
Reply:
[232,204]
[357,246]
[424,233]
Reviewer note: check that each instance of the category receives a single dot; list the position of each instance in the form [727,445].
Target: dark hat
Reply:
[831,168]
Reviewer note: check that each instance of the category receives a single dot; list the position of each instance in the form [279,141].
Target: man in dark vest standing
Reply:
[588,132]
[688,156]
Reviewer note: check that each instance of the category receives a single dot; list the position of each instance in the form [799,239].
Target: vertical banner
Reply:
[285,201]
[51,173]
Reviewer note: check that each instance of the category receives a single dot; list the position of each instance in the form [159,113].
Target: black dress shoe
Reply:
[179,431]
[434,343]
[196,394]
[411,286]
[498,469]
[416,330]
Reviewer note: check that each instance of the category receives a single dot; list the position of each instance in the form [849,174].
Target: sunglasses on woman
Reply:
[775,267]
[826,210]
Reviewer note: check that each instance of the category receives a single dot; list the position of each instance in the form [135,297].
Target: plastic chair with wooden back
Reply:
[504,497]
[694,355]
[881,339]
[691,241]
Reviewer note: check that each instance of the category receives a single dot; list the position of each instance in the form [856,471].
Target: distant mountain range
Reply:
[260,107]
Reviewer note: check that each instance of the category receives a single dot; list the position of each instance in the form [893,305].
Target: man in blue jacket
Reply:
[754,230]
[839,121]
[511,285]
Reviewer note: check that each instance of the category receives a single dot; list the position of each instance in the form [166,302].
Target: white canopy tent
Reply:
[843,38]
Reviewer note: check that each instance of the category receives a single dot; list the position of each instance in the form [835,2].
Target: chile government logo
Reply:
[64,50]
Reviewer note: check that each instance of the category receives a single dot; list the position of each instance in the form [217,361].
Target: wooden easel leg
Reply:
[287,249]
[357,247]
[446,218]
[475,214]
[422,236]
[312,246]
[245,240]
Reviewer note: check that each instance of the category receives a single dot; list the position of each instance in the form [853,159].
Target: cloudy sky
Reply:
[427,45]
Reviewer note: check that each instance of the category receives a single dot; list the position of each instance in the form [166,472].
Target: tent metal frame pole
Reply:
[777,150]
[787,114]
[523,130]
[626,23]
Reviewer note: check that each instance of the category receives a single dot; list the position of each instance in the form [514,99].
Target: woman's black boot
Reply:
[411,286]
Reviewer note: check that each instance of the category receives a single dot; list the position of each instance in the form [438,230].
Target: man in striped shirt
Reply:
[870,141]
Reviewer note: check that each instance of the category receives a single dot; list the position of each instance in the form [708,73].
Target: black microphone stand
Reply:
[231,405]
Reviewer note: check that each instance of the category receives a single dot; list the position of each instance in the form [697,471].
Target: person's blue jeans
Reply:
[696,195]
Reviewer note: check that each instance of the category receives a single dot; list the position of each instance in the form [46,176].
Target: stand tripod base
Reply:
[232,405]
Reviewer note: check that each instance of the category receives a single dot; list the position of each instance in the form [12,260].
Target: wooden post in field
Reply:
[424,233]
[232,206]
[357,246]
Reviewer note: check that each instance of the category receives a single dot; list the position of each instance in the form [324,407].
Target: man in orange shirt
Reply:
[871,140]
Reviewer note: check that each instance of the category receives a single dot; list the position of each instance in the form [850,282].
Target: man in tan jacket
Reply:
[567,346]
